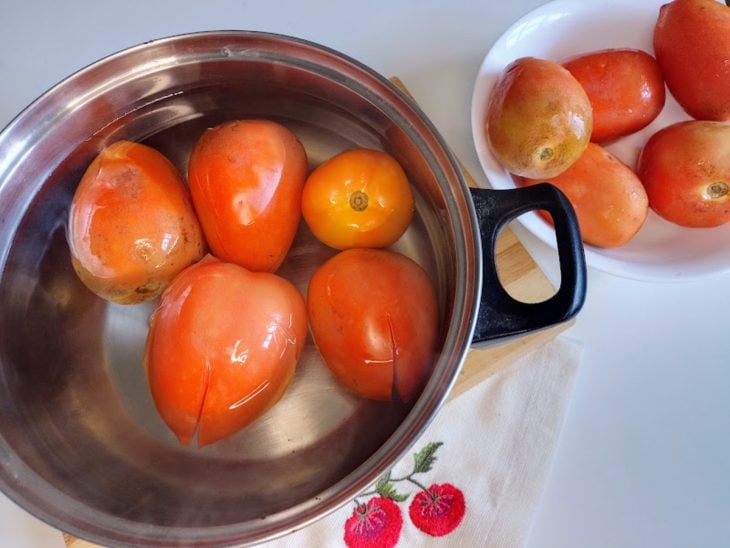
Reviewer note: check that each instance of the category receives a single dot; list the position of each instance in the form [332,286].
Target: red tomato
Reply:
[132,227]
[608,198]
[246,179]
[539,119]
[374,318]
[222,348]
[685,169]
[692,46]
[359,198]
[625,88]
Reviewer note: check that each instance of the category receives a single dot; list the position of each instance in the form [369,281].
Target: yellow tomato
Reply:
[359,198]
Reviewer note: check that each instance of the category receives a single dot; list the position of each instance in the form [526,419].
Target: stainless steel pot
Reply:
[81,445]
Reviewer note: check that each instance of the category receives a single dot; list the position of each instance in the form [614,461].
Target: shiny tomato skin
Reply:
[609,200]
[358,198]
[373,316]
[131,225]
[625,88]
[246,179]
[539,119]
[685,169]
[692,46]
[222,348]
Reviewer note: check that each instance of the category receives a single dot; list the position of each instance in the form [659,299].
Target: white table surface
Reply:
[644,458]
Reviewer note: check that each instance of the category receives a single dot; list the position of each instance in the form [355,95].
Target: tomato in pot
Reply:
[132,226]
[246,179]
[374,318]
[625,88]
[685,169]
[358,198]
[222,348]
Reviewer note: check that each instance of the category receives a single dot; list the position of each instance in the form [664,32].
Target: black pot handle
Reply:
[500,315]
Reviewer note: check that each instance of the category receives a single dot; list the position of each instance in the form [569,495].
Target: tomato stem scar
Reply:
[359,200]
[717,190]
[545,154]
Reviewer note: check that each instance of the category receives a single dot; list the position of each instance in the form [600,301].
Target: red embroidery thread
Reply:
[439,510]
[436,510]
[375,524]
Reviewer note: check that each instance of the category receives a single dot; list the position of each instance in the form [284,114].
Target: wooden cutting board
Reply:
[522,279]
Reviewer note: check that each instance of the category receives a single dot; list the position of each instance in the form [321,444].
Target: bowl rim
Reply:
[602,260]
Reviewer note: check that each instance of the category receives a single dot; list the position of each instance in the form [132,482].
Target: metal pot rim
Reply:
[26,489]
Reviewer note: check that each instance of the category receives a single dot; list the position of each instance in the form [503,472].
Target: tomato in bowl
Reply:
[661,251]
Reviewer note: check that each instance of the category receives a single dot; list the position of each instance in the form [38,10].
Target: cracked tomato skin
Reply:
[246,179]
[222,348]
[375,524]
[685,169]
[373,316]
[439,510]
[358,198]
[132,226]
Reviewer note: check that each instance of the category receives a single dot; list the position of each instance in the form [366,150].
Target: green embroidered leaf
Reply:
[388,491]
[382,482]
[424,459]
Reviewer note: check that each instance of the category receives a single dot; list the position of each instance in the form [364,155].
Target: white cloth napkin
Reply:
[488,453]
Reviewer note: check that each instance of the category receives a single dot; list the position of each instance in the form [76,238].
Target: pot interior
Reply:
[83,445]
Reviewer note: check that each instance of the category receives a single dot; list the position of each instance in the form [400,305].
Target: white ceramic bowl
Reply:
[661,251]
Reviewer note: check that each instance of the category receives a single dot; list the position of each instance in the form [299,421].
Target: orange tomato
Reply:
[609,200]
[692,46]
[539,119]
[131,226]
[222,348]
[246,179]
[374,318]
[625,88]
[685,168]
[359,198]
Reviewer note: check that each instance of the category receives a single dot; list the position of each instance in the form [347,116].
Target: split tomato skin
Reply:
[374,318]
[246,179]
[691,43]
[625,88]
[685,169]
[131,225]
[358,198]
[222,348]
[609,199]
